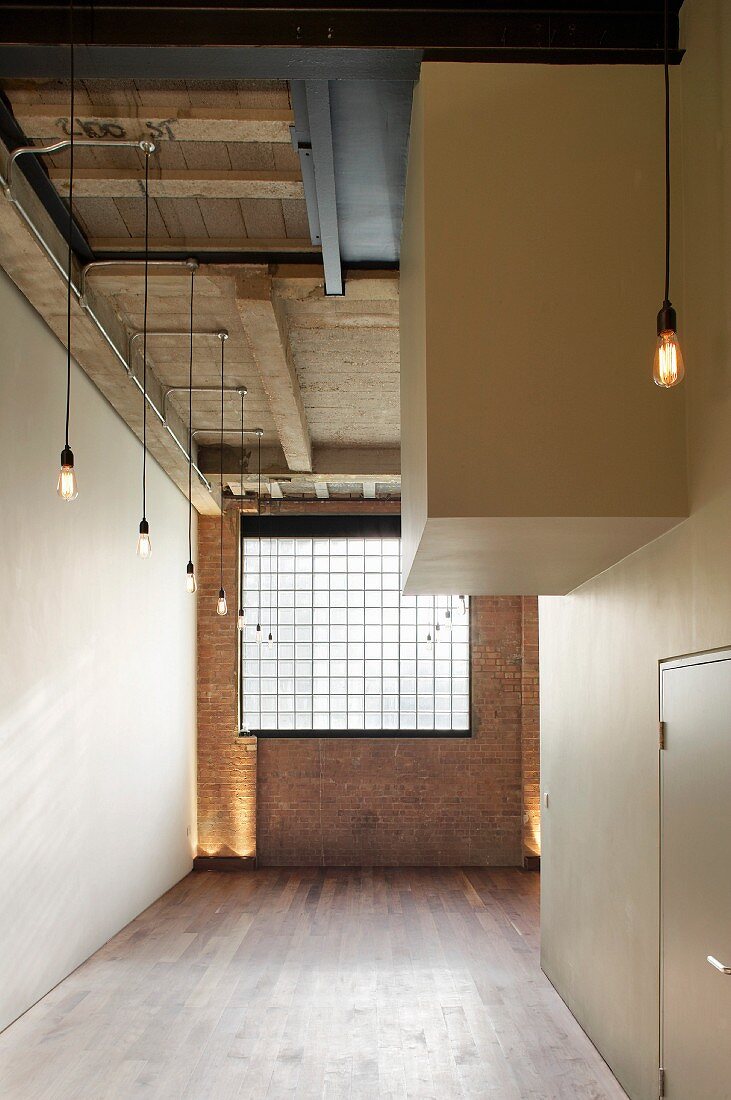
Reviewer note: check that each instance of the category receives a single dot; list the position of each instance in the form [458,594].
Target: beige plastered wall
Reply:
[601,645]
[97,677]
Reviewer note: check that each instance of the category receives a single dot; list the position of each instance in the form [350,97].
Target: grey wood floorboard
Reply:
[312,984]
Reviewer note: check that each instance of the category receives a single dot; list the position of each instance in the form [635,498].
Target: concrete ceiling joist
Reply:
[185,184]
[341,465]
[264,323]
[158,123]
[198,246]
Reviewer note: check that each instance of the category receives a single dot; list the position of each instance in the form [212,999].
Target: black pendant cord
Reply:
[667,155]
[221,459]
[71,225]
[190,425]
[144,341]
[258,524]
[241,491]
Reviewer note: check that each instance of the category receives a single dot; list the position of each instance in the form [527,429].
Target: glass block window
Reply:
[348,652]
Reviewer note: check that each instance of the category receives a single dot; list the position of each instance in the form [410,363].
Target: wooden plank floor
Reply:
[282,984]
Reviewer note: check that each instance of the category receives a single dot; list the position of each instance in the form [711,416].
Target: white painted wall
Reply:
[97,677]
[601,645]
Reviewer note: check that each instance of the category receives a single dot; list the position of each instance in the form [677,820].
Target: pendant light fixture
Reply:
[241,617]
[221,605]
[668,368]
[258,535]
[67,487]
[190,581]
[270,639]
[144,546]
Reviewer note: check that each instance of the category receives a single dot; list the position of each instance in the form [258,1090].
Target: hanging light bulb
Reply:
[241,617]
[144,546]
[67,486]
[464,605]
[668,368]
[270,641]
[221,605]
[258,633]
[448,616]
[190,581]
[429,642]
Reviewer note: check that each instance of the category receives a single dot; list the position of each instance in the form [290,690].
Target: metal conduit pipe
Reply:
[228,431]
[65,143]
[221,333]
[241,390]
[75,290]
[94,265]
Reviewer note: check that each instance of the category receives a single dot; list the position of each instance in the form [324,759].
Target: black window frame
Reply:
[362,526]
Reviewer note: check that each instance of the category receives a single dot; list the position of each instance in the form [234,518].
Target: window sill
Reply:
[417,735]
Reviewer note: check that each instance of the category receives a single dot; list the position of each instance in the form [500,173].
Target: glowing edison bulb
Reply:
[429,642]
[190,581]
[221,606]
[464,604]
[67,487]
[668,368]
[258,633]
[270,641]
[241,619]
[144,546]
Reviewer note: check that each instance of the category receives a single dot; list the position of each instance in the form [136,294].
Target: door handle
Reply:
[719,965]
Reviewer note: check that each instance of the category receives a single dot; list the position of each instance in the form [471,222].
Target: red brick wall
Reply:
[531,751]
[226,764]
[365,800]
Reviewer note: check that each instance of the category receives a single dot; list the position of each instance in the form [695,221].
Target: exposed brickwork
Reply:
[226,764]
[531,750]
[369,801]
[406,801]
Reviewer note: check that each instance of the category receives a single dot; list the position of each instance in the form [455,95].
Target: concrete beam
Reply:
[118,183]
[166,123]
[334,464]
[265,325]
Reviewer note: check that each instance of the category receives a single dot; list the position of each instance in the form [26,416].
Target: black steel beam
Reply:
[473,29]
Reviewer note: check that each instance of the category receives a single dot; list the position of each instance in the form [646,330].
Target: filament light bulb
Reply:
[190,581]
[67,487]
[464,604]
[241,619]
[144,546]
[221,606]
[270,641]
[258,633]
[668,368]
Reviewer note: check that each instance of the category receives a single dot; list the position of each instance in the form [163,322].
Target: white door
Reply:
[696,877]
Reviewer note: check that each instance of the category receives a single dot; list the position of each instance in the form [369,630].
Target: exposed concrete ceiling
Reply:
[322,372]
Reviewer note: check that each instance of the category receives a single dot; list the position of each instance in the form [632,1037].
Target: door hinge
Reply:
[661,1082]
[661,735]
